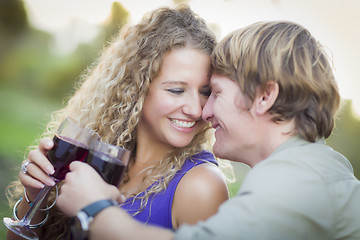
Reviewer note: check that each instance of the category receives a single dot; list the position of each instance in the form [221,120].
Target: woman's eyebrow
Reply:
[173,83]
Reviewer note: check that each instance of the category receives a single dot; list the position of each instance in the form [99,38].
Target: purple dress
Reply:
[158,209]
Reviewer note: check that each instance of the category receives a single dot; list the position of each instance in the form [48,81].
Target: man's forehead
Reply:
[215,80]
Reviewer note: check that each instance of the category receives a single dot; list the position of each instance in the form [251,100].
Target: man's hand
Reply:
[83,186]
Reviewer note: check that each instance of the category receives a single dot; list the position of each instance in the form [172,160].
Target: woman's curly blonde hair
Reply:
[111,94]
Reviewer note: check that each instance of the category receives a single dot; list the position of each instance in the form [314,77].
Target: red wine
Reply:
[63,153]
[111,172]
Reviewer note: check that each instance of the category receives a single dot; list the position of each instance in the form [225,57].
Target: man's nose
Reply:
[207,112]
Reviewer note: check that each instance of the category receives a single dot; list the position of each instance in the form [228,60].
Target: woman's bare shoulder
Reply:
[199,194]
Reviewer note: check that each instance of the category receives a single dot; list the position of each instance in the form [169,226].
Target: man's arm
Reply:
[83,186]
[114,223]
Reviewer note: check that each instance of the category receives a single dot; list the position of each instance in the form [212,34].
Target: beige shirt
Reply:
[301,191]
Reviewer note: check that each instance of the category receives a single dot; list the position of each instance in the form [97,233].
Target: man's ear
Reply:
[266,99]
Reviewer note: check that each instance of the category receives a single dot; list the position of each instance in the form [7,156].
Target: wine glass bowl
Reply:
[108,160]
[63,153]
[70,143]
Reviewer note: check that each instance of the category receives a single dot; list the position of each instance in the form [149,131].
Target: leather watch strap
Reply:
[94,208]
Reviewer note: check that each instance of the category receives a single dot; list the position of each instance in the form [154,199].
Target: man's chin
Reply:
[218,151]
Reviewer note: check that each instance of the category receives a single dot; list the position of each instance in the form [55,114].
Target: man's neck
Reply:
[274,135]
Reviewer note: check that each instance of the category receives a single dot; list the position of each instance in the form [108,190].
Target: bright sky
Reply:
[336,24]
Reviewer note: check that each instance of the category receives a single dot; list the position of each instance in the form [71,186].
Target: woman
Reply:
[145,94]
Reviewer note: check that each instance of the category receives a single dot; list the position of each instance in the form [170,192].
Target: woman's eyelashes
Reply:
[206,92]
[176,91]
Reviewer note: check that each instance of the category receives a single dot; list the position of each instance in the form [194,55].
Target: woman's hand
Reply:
[38,169]
[83,186]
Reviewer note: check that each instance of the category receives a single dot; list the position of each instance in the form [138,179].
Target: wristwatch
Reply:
[79,224]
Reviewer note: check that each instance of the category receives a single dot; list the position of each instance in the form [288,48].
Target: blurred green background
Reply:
[34,81]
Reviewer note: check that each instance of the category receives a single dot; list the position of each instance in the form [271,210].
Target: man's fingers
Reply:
[75,165]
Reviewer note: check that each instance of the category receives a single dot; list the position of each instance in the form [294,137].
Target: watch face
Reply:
[76,228]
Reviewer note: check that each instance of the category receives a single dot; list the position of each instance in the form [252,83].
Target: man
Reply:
[273,102]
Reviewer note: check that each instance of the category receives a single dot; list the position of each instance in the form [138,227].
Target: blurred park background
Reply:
[41,56]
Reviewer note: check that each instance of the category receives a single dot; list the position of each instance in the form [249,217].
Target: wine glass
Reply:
[108,160]
[71,142]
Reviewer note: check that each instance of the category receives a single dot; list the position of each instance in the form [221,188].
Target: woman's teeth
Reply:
[182,123]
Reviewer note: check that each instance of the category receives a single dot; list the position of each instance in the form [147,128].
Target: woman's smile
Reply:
[183,124]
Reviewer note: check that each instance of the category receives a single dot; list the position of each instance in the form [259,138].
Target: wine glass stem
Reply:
[36,204]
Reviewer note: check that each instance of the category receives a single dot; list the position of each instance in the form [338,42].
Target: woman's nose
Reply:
[193,106]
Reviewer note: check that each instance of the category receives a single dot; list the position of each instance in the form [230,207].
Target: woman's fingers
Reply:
[35,177]
[35,170]
[38,157]
[29,181]
[45,145]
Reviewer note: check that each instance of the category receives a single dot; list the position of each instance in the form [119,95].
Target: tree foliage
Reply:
[118,18]
[346,136]
[26,59]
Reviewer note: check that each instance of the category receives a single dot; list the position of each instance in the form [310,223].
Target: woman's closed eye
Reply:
[206,92]
[176,91]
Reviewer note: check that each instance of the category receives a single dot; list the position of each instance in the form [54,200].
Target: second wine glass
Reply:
[108,160]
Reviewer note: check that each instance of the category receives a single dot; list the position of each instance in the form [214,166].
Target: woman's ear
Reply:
[266,99]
